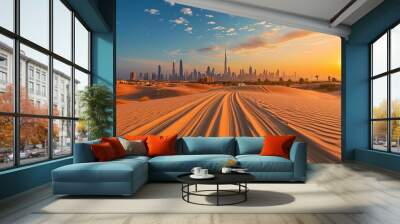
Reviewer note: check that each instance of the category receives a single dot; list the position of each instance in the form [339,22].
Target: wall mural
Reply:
[197,72]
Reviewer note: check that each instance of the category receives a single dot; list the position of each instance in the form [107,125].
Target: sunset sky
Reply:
[156,32]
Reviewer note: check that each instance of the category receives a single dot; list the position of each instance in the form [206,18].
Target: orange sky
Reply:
[306,53]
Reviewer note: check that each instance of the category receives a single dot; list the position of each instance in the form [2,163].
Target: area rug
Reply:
[166,198]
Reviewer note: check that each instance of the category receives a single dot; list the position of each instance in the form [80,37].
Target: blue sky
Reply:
[152,32]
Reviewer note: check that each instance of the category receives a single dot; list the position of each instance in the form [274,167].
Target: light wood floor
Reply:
[377,188]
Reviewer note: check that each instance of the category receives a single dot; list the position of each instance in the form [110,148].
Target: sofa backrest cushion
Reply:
[249,145]
[83,152]
[208,145]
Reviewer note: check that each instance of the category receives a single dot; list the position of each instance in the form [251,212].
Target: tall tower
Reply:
[173,69]
[225,65]
[180,70]
[159,73]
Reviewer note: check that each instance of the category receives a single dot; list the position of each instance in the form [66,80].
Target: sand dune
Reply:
[242,111]
[143,91]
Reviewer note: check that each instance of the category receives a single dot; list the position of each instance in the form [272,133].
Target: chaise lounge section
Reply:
[125,176]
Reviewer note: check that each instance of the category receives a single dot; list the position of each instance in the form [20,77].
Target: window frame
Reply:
[16,114]
[388,74]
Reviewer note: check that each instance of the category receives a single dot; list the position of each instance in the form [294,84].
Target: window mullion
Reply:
[50,81]
[389,104]
[73,81]
[16,69]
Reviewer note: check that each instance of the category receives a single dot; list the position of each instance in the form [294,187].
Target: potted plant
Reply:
[96,102]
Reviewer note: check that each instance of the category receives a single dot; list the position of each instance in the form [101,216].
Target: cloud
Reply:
[218,28]
[152,11]
[276,29]
[293,35]
[251,29]
[175,52]
[171,3]
[244,28]
[251,43]
[231,34]
[269,40]
[209,16]
[208,49]
[260,23]
[189,29]
[211,23]
[230,30]
[179,21]
[187,11]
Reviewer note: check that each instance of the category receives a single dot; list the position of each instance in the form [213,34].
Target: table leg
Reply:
[196,187]
[245,193]
[188,190]
[217,194]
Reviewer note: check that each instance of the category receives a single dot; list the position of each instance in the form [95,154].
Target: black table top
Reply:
[220,178]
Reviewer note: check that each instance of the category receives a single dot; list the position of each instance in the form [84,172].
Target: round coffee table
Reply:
[238,179]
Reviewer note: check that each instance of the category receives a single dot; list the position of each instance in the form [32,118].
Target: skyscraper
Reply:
[225,65]
[159,73]
[180,70]
[133,76]
[173,70]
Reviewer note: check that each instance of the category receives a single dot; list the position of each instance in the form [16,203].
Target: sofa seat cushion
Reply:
[112,171]
[185,163]
[257,163]
[133,157]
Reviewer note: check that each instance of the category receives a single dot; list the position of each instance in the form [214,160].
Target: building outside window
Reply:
[30,72]
[30,87]
[3,72]
[55,130]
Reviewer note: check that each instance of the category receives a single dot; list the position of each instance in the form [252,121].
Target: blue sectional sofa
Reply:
[125,176]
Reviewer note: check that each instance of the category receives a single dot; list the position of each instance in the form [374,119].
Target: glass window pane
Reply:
[81,131]
[395,94]
[62,138]
[379,55]
[62,89]
[81,82]
[35,21]
[81,45]
[379,135]
[33,140]
[379,97]
[62,28]
[34,80]
[6,142]
[395,136]
[395,47]
[7,14]
[6,74]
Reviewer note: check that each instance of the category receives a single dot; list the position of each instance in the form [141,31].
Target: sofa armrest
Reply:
[298,155]
[83,152]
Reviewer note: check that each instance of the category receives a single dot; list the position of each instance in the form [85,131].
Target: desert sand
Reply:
[238,111]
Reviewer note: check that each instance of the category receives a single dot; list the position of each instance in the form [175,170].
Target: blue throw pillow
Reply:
[249,145]
[208,145]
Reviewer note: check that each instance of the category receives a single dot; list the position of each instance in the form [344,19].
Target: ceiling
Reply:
[326,16]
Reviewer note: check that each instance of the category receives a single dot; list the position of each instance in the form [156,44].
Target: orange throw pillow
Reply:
[135,137]
[277,146]
[161,145]
[103,152]
[116,145]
